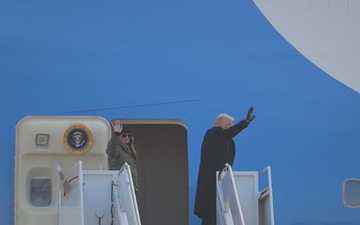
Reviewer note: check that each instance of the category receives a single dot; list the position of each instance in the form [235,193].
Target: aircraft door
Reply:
[39,141]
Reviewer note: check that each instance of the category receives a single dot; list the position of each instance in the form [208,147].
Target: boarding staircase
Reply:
[97,197]
[239,200]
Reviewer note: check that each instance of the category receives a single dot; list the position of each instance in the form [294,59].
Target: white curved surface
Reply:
[325,31]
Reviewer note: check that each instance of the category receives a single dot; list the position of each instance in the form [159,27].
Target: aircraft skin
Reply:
[190,61]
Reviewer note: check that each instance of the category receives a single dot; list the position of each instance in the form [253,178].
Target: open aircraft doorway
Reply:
[45,194]
[162,165]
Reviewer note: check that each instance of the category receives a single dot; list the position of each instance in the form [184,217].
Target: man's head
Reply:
[223,120]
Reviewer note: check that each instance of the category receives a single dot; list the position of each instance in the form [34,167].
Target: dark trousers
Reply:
[209,219]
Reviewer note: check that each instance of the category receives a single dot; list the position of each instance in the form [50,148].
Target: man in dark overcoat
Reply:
[218,148]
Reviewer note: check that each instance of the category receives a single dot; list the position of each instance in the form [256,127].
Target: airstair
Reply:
[239,200]
[97,197]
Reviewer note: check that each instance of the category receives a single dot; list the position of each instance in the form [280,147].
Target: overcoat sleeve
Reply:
[112,149]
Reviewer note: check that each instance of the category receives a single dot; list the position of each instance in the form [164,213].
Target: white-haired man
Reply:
[218,148]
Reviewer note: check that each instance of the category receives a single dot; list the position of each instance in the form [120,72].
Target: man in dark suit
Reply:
[218,148]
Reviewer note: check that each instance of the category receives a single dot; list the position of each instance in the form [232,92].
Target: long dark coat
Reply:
[118,154]
[217,149]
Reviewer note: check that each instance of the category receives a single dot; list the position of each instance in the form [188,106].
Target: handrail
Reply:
[267,192]
[225,169]
[268,169]
[227,211]
[65,183]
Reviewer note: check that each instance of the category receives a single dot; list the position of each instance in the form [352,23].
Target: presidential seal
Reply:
[78,139]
